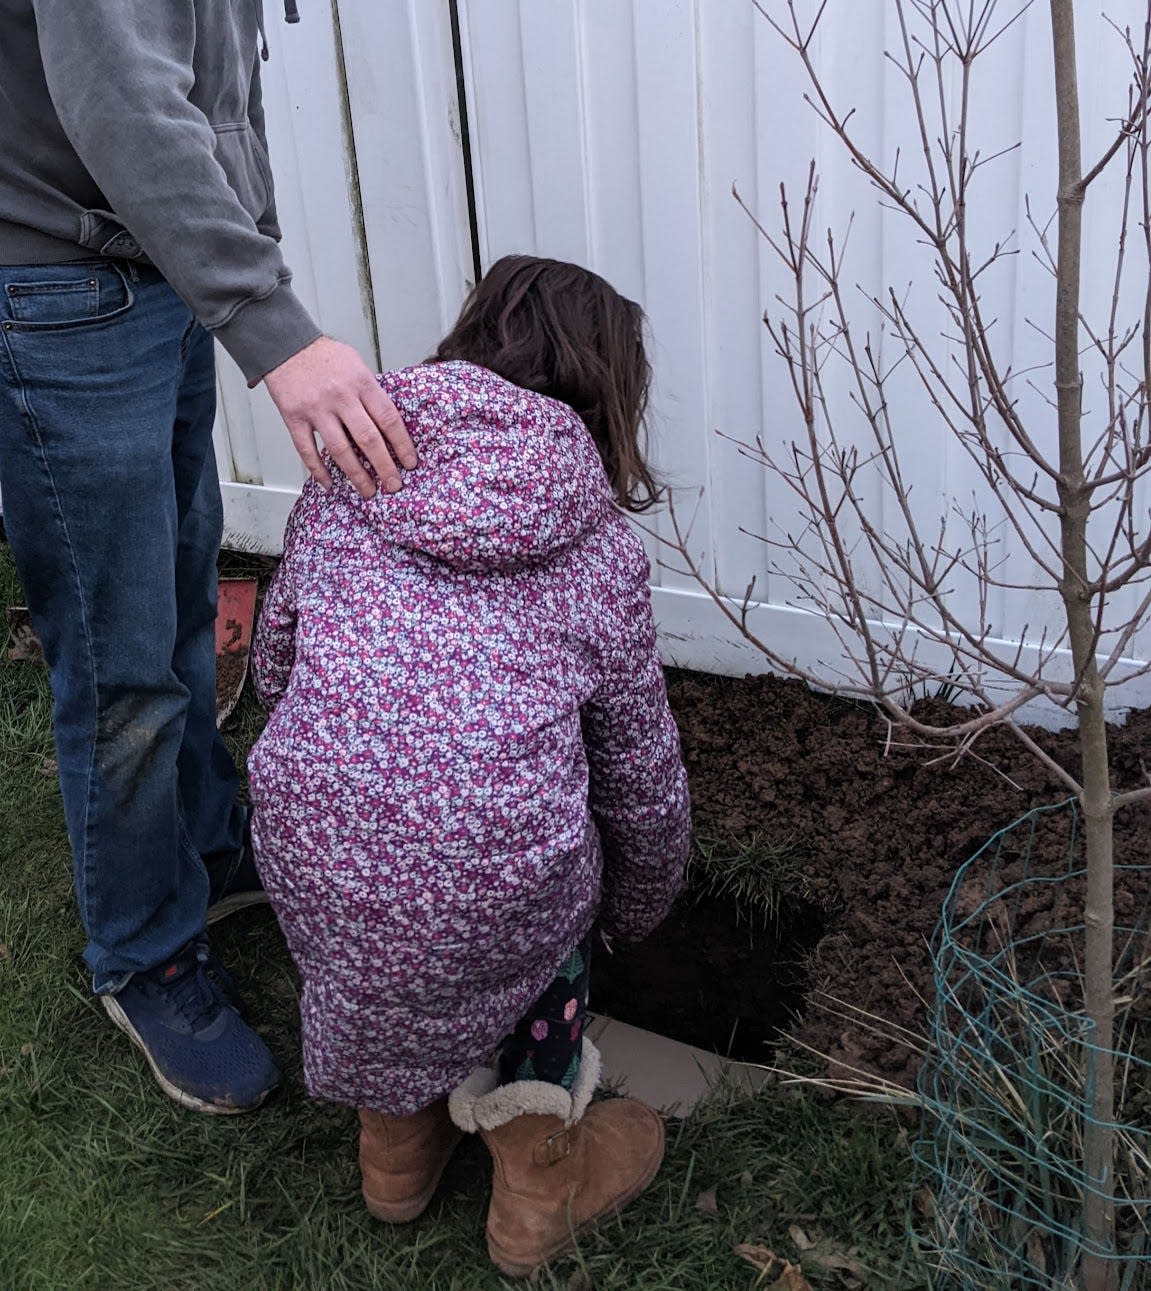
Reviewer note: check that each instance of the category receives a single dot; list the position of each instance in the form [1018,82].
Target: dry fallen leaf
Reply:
[746,1179]
[48,767]
[791,1279]
[834,1262]
[759,1257]
[823,1254]
[800,1238]
[706,1203]
[5,953]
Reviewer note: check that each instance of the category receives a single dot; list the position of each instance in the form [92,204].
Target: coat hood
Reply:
[507,478]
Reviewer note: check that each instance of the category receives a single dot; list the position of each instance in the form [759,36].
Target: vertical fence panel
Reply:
[364,132]
[315,184]
[404,114]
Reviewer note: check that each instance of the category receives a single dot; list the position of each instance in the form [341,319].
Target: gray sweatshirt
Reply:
[134,129]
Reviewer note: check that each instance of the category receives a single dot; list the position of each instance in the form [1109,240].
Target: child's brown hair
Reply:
[562,331]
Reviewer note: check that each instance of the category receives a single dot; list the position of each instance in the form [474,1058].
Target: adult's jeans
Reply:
[112,507]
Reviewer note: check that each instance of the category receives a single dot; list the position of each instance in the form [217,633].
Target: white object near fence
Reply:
[611,132]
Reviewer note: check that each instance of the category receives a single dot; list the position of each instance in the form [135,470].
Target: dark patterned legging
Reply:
[548,1042]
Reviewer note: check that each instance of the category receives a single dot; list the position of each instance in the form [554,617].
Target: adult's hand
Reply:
[327,390]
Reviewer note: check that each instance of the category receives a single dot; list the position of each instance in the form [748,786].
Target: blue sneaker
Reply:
[234,885]
[202,1052]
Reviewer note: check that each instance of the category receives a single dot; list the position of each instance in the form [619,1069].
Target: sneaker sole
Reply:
[174,1092]
[233,904]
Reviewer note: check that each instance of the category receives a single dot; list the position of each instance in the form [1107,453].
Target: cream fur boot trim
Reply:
[480,1104]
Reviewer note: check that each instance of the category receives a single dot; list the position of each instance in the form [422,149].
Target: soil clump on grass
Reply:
[875,832]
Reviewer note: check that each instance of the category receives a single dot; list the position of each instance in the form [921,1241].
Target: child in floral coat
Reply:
[471,762]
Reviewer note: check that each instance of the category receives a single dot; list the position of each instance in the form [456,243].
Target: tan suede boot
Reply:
[559,1163]
[402,1159]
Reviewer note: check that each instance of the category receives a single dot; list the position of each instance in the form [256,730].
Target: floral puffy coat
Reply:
[471,758]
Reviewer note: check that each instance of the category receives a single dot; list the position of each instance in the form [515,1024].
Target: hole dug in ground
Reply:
[713,975]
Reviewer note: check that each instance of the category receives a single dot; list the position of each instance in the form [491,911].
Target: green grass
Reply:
[105,1185]
[761,876]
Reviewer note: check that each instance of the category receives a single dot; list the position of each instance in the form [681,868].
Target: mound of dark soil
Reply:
[882,832]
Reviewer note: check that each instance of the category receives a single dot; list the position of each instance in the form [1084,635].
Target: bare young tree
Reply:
[888,590]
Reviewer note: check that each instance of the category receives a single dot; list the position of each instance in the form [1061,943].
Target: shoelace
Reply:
[224,984]
[193,995]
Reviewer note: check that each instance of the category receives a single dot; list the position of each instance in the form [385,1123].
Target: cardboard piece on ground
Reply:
[664,1073]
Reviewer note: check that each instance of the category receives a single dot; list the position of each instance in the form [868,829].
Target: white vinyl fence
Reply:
[363,127]
[611,132]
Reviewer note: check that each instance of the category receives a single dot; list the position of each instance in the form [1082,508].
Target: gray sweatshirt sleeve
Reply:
[119,73]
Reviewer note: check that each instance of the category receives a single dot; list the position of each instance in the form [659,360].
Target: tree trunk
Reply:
[1098,1272]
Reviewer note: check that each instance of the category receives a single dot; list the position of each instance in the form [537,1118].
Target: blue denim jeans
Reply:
[112,507]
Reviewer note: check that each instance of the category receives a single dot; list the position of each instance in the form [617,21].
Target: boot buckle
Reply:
[554,1148]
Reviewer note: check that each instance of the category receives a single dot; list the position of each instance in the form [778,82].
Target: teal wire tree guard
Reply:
[1006,1086]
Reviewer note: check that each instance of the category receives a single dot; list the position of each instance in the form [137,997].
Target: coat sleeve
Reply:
[638,786]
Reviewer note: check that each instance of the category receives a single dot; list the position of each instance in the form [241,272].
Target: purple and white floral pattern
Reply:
[471,756]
